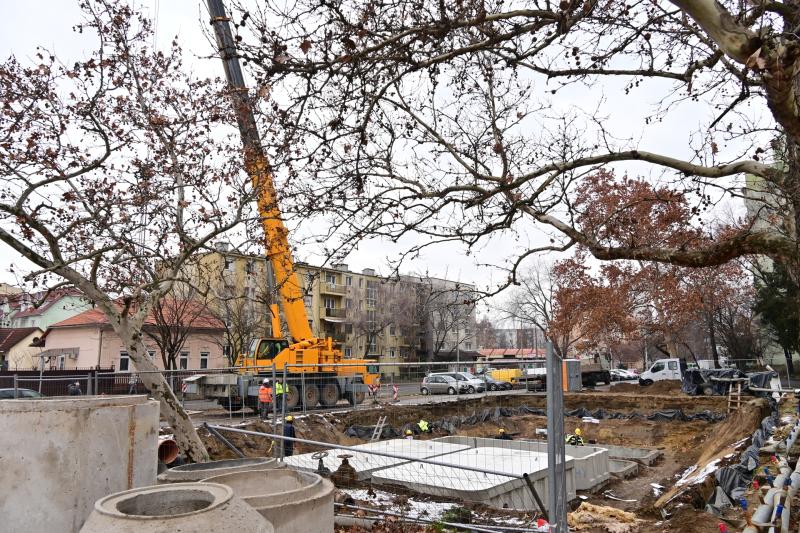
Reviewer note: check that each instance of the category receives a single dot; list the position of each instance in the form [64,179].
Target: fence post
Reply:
[96,382]
[302,390]
[89,385]
[283,404]
[16,387]
[274,405]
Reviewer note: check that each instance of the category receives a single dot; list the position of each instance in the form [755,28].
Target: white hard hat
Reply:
[266,380]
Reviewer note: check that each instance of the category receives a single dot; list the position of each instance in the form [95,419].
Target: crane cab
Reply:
[262,351]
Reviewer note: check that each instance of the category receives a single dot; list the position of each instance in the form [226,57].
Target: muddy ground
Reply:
[682,444]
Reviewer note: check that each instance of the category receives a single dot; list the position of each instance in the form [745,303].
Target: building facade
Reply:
[87,341]
[39,310]
[405,320]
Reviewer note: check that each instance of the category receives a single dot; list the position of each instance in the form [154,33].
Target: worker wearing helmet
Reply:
[423,426]
[502,435]
[575,439]
[288,431]
[409,435]
[265,398]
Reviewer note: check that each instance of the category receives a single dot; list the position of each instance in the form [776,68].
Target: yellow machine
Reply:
[316,379]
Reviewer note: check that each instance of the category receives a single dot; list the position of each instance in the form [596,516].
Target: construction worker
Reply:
[575,439]
[423,426]
[264,398]
[409,435]
[74,389]
[279,396]
[502,435]
[288,431]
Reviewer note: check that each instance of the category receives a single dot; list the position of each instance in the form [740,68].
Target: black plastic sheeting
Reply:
[734,479]
[451,424]
[694,380]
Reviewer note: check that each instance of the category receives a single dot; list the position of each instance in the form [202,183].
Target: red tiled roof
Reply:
[202,319]
[10,337]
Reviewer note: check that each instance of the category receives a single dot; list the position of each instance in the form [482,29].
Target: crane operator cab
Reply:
[264,349]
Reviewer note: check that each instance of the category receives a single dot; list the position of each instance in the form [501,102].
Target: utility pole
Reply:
[556,468]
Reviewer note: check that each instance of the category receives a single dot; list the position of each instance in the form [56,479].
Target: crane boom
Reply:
[257,165]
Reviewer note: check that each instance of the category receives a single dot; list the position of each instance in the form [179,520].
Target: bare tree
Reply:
[114,170]
[532,302]
[443,119]
[486,333]
[174,317]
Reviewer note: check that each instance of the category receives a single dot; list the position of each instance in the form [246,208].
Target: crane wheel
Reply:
[310,395]
[329,395]
[355,398]
[293,397]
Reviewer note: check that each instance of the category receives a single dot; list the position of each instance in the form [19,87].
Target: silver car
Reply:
[440,384]
[472,383]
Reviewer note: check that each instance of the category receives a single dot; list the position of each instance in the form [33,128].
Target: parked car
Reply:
[441,384]
[496,384]
[8,394]
[473,383]
[619,374]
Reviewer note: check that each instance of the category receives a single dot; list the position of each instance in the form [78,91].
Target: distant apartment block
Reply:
[414,318]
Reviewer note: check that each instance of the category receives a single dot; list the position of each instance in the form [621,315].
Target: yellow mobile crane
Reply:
[312,374]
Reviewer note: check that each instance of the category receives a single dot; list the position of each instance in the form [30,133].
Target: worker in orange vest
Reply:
[264,398]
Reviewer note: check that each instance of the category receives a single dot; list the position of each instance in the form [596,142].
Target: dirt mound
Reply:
[598,517]
[659,387]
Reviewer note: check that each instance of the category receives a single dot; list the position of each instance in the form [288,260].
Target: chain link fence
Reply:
[227,392]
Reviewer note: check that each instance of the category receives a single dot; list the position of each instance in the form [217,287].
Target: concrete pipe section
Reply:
[201,471]
[293,501]
[61,454]
[186,507]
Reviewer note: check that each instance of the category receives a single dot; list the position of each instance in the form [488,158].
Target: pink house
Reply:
[87,341]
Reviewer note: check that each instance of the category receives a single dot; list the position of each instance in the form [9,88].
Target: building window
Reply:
[348,281]
[392,330]
[371,318]
[371,293]
[348,328]
[124,362]
[62,362]
[360,282]
[248,267]
[348,303]
[391,353]
[330,303]
[203,360]
[152,354]
[228,264]
[226,351]
[348,352]
[468,345]
[183,361]
[330,278]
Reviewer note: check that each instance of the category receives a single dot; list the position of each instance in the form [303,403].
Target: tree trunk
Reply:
[182,427]
[712,339]
[789,362]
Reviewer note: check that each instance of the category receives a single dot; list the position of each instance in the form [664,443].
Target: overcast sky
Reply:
[49,23]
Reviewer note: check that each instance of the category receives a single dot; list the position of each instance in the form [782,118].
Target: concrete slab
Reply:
[590,462]
[365,463]
[491,489]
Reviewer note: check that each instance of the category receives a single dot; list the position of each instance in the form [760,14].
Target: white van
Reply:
[661,370]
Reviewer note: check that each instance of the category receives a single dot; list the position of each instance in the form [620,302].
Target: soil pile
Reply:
[659,387]
[590,517]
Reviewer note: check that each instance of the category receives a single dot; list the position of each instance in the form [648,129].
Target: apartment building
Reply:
[414,318]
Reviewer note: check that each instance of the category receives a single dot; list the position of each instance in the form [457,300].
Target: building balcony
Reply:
[329,312]
[332,288]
